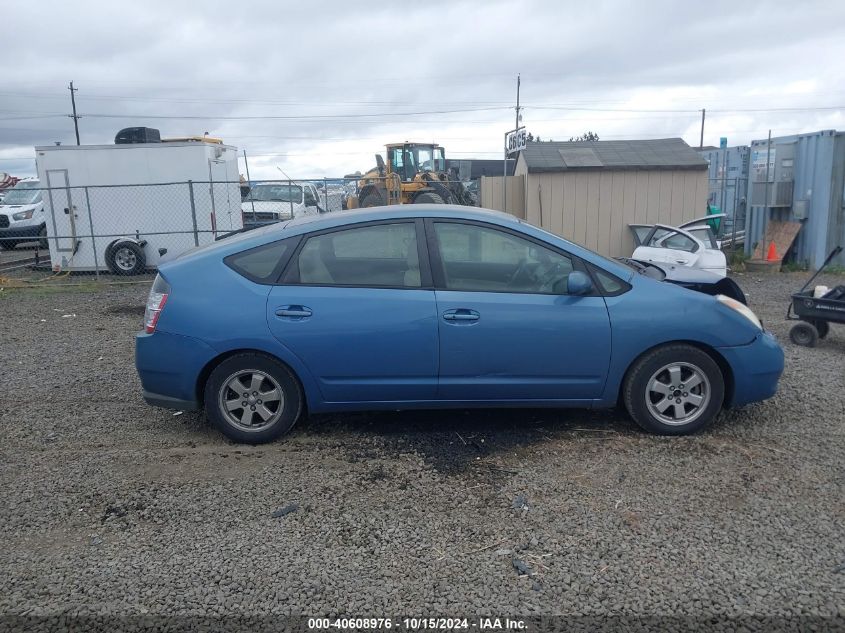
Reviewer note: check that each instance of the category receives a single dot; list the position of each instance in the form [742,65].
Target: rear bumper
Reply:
[756,368]
[169,366]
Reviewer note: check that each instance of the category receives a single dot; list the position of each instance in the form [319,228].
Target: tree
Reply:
[586,136]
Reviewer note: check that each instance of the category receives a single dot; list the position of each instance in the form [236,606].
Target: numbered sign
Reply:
[515,141]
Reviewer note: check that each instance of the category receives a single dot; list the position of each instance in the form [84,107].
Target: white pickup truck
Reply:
[269,202]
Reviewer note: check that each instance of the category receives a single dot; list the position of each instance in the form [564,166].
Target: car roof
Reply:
[242,240]
[401,211]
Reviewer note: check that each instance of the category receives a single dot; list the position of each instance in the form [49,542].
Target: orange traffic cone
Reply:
[772,255]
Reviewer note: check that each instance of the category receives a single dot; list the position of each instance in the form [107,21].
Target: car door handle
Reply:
[461,315]
[294,311]
[681,261]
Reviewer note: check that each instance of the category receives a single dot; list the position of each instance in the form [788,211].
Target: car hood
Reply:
[270,206]
[699,280]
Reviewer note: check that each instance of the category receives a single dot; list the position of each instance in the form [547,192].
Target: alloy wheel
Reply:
[678,393]
[251,400]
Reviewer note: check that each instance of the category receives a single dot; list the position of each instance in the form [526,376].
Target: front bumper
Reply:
[169,366]
[756,369]
[18,232]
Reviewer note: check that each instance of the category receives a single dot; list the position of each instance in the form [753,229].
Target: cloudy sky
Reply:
[317,88]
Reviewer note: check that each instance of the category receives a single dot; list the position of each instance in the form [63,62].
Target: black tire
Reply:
[42,237]
[643,402]
[371,199]
[7,244]
[246,364]
[823,328]
[804,334]
[126,258]
[429,197]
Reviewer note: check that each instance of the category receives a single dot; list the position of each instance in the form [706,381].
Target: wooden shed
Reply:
[589,192]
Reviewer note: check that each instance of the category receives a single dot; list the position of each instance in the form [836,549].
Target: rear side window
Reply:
[383,255]
[263,264]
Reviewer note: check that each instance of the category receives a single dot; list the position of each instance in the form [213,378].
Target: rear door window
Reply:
[381,255]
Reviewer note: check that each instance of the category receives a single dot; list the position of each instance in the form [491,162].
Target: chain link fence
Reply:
[729,196]
[116,232]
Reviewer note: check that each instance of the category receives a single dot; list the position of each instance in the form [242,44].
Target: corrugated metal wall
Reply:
[594,208]
[819,177]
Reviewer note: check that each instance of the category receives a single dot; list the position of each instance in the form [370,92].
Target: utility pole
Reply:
[249,182]
[505,162]
[701,141]
[74,116]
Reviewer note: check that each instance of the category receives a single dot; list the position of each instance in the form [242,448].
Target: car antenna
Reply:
[283,173]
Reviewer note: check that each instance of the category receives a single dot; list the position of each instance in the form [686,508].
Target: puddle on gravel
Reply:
[455,442]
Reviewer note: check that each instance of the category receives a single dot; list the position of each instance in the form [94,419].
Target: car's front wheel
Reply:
[674,390]
[252,398]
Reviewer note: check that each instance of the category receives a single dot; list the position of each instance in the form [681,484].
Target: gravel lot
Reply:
[111,507]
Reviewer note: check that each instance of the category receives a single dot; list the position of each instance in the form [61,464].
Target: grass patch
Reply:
[736,260]
[794,267]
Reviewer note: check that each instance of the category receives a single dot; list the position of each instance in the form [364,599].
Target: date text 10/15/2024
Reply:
[418,624]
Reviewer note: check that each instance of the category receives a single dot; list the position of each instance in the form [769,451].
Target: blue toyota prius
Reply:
[434,306]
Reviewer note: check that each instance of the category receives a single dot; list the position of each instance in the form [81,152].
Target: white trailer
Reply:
[125,207]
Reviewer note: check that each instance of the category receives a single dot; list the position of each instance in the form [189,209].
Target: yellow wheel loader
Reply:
[415,173]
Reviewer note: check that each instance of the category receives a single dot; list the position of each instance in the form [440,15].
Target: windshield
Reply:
[23,193]
[274,193]
[431,159]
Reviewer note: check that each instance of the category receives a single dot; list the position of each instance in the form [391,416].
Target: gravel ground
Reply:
[113,508]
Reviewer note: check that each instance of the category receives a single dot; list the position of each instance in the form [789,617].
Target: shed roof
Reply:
[659,154]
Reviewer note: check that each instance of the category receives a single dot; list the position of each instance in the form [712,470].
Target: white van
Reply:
[22,215]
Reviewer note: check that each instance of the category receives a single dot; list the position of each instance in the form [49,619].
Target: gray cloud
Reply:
[264,59]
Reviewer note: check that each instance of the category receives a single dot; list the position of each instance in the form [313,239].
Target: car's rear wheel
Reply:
[252,398]
[674,390]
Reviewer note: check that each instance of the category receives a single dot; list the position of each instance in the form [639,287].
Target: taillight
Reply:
[155,303]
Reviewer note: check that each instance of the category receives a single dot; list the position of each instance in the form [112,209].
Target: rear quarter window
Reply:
[263,264]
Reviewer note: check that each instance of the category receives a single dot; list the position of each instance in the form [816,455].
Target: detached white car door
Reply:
[677,247]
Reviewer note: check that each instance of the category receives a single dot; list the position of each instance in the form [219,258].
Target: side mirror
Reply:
[578,283]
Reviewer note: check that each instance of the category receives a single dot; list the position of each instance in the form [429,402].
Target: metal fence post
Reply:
[326,193]
[93,240]
[193,212]
[290,196]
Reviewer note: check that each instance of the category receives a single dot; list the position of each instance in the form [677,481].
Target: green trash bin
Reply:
[715,223]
